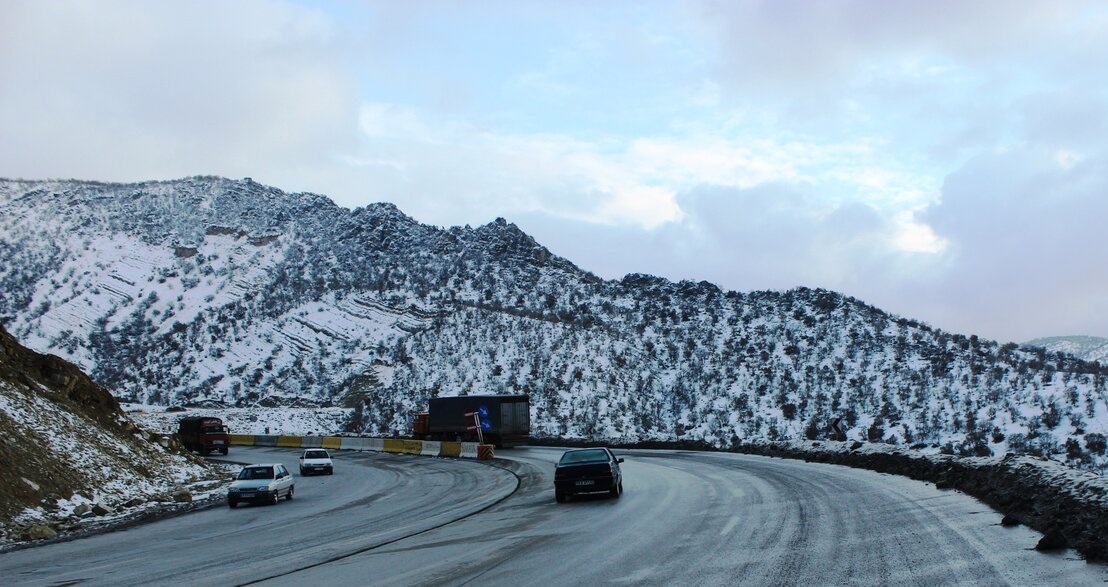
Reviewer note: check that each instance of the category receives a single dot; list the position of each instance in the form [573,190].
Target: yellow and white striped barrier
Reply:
[428,448]
[242,440]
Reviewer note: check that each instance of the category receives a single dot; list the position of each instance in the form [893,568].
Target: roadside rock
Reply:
[50,502]
[1052,540]
[38,532]
[182,496]
[82,510]
[101,510]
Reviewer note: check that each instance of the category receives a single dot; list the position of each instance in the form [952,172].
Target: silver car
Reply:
[261,484]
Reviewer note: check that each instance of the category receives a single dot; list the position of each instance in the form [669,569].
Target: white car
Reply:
[316,460]
[261,484]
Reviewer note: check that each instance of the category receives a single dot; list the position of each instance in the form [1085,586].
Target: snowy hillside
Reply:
[73,458]
[220,292]
[1089,348]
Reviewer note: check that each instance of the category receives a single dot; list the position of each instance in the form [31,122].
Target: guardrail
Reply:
[427,448]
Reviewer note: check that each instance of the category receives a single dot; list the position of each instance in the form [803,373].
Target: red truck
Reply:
[205,434]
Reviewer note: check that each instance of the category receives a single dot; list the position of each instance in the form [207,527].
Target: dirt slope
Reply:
[66,443]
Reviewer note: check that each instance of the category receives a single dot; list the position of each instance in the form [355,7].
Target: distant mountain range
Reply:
[209,290]
[1089,348]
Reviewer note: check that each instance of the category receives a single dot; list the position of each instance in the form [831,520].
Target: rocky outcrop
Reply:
[58,377]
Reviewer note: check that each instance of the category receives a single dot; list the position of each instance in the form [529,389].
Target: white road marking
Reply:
[730,526]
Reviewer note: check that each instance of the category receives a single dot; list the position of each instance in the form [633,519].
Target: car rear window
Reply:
[256,473]
[316,454]
[584,456]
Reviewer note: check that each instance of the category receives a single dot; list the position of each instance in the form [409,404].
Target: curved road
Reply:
[685,518]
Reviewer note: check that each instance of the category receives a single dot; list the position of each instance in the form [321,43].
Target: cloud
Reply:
[1026,234]
[129,91]
[768,237]
[797,42]
[1021,229]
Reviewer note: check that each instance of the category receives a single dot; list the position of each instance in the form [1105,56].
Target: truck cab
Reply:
[204,434]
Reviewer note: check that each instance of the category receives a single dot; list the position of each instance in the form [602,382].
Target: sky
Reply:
[945,161]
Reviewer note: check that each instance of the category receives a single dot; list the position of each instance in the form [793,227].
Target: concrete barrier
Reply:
[354,443]
[242,439]
[450,449]
[431,448]
[484,452]
[290,441]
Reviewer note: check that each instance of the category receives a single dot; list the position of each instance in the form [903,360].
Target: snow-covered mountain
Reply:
[212,290]
[1089,348]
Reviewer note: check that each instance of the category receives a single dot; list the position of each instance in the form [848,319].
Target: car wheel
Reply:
[292,488]
[616,490]
[276,496]
[330,471]
[301,471]
[232,504]
[559,497]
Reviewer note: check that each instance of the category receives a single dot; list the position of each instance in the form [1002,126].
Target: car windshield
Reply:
[256,473]
[597,455]
[316,454]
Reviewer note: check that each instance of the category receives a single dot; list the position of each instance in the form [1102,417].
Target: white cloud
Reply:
[130,91]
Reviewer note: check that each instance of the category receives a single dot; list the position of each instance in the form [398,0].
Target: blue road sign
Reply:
[486,425]
[484,411]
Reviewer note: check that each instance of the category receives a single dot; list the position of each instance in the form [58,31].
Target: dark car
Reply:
[587,470]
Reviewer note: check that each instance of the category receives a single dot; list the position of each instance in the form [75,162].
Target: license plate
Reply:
[246,495]
[588,482]
[218,442]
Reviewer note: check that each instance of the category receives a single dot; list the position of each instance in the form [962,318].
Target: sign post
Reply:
[476,425]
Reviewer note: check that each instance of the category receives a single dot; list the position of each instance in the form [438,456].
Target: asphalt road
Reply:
[685,519]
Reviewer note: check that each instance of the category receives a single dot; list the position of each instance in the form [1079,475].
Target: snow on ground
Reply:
[1043,494]
[124,475]
[291,421]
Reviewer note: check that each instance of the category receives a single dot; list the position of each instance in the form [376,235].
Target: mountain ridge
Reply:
[291,298]
[1089,348]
